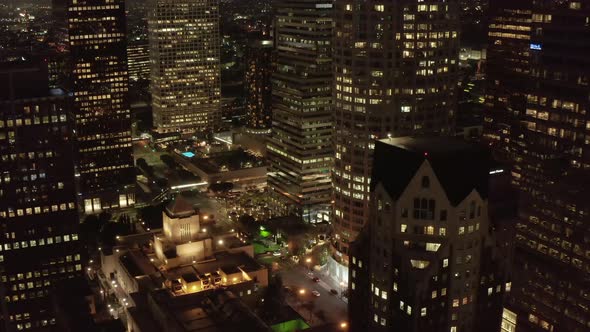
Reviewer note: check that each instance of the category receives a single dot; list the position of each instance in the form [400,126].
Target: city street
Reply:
[296,277]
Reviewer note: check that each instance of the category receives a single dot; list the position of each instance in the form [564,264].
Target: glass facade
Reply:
[39,242]
[395,74]
[102,118]
[185,70]
[549,149]
[299,149]
[259,59]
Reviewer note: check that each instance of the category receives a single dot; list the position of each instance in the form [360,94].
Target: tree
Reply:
[274,298]
[144,167]
[221,187]
[141,163]
[152,216]
[248,224]
[110,231]
[168,160]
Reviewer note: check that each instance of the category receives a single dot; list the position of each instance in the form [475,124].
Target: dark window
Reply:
[431,209]
[404,213]
[443,215]
[472,210]
[425,182]
[424,209]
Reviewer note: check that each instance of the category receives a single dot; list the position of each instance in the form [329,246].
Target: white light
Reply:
[189,185]
[220,242]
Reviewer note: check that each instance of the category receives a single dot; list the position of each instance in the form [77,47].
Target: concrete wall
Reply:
[179,230]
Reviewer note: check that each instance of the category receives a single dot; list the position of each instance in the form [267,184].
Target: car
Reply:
[333,291]
[276,253]
[287,289]
[315,279]
[315,293]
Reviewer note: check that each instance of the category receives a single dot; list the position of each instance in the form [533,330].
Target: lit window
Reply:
[423,312]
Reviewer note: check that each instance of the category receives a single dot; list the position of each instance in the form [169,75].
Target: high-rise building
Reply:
[299,149]
[507,70]
[59,9]
[258,86]
[185,64]
[395,74]
[138,57]
[98,48]
[428,259]
[38,210]
[550,151]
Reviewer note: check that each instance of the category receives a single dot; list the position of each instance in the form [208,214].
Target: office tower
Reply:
[59,9]
[551,170]
[299,149]
[185,73]
[395,73]
[507,70]
[258,86]
[98,48]
[428,260]
[38,210]
[138,56]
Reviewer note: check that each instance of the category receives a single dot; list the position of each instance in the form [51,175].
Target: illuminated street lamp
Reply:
[302,291]
[308,262]
[344,325]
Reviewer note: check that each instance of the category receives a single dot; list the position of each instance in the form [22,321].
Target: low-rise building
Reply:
[179,261]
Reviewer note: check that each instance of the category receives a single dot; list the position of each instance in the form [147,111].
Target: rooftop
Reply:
[460,166]
[180,208]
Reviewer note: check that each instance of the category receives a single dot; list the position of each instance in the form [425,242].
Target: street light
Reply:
[308,262]
[302,291]
[343,325]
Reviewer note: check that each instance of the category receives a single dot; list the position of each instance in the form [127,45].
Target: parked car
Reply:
[333,291]
[315,293]
[315,279]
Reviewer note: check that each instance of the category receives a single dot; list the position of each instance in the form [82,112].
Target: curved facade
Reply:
[395,74]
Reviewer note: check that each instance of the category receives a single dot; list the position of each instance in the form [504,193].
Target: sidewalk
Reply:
[328,282]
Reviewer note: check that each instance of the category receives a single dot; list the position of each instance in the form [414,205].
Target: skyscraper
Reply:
[98,48]
[395,73]
[258,86]
[507,70]
[38,210]
[185,70]
[428,260]
[299,149]
[138,55]
[551,169]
